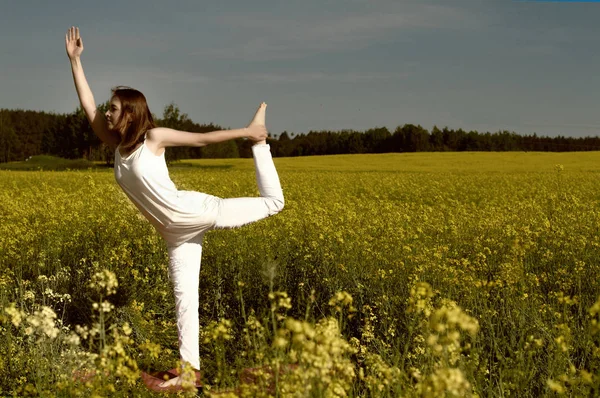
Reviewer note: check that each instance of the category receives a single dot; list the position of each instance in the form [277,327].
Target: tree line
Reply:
[24,133]
[414,138]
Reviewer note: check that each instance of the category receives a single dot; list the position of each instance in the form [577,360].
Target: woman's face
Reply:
[113,113]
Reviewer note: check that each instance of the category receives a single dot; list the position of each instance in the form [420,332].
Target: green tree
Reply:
[284,137]
[376,140]
[227,149]
[173,118]
[436,139]
[8,138]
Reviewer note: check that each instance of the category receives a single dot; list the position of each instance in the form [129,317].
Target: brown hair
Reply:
[135,119]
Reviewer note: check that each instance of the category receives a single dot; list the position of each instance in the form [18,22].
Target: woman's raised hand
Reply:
[74,43]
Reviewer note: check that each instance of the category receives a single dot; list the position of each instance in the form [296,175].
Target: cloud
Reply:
[296,37]
[143,72]
[318,77]
[176,76]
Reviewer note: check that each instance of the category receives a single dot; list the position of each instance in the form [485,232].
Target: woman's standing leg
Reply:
[184,259]
[184,270]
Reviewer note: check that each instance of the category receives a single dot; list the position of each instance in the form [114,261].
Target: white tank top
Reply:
[177,215]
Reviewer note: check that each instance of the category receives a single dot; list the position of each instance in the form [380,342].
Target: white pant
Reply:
[184,259]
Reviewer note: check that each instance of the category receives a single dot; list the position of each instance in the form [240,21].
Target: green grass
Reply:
[434,162]
[48,163]
[464,273]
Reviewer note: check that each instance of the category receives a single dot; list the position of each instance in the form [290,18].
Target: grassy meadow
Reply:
[413,275]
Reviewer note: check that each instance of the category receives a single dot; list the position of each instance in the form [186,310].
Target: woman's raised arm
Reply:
[74,45]
[256,131]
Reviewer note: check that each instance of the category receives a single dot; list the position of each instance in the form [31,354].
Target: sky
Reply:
[485,65]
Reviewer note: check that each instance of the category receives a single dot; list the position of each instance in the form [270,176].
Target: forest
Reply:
[25,133]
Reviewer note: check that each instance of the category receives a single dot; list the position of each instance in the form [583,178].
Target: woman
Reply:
[181,217]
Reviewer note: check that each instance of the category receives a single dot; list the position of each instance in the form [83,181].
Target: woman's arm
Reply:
[163,137]
[74,45]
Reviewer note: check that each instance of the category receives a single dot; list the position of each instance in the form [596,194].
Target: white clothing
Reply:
[177,215]
[235,212]
[182,218]
[184,271]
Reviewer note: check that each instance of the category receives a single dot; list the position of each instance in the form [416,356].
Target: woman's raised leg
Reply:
[236,212]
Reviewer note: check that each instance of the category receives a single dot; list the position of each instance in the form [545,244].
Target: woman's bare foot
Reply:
[259,120]
[175,381]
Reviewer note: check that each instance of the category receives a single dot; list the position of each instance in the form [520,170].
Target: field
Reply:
[442,274]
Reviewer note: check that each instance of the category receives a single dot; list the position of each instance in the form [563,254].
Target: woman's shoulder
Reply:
[154,140]
[151,133]
[157,133]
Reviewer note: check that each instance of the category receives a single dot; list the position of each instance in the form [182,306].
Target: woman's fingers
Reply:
[73,41]
[73,35]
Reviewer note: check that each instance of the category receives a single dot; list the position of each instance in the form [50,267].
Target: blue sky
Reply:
[524,66]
